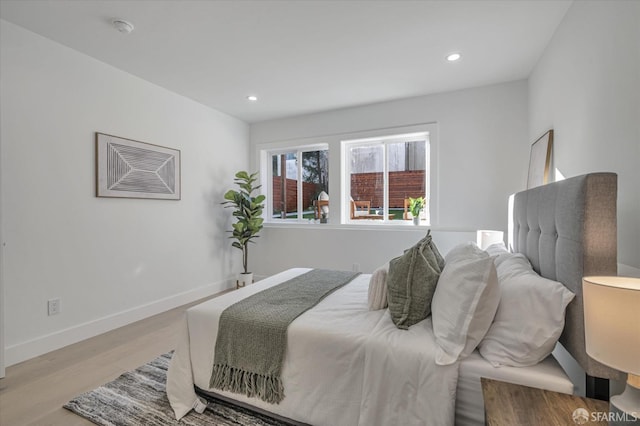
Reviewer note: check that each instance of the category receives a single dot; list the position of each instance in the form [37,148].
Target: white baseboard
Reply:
[30,349]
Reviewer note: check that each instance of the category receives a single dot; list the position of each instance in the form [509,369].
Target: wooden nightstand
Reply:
[507,404]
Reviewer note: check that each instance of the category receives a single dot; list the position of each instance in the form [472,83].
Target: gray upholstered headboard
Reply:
[568,230]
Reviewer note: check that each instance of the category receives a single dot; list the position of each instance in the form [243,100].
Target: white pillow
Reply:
[499,254]
[530,316]
[512,264]
[497,249]
[463,251]
[464,303]
[378,288]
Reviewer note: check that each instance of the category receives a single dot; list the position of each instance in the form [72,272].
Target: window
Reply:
[380,176]
[298,178]
[375,173]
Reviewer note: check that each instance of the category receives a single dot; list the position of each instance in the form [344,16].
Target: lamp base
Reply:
[625,408]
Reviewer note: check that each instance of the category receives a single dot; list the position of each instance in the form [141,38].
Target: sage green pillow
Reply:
[411,283]
[434,249]
[437,254]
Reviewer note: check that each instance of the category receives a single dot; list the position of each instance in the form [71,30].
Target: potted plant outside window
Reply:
[248,214]
[415,207]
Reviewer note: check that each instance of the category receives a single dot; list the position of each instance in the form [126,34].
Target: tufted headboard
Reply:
[568,230]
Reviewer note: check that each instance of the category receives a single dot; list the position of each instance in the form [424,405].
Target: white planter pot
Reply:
[416,220]
[244,279]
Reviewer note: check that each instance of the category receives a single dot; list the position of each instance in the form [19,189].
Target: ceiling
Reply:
[300,57]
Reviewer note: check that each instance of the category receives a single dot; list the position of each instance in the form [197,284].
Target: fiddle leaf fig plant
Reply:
[247,211]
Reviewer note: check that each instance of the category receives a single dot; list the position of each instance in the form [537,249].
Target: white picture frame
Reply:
[540,161]
[131,169]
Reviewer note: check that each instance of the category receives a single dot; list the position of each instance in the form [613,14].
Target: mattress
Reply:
[320,369]
[469,403]
[342,359]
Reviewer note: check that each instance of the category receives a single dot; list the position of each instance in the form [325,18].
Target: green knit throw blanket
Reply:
[252,333]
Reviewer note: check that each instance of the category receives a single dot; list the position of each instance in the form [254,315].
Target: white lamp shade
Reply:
[612,321]
[484,238]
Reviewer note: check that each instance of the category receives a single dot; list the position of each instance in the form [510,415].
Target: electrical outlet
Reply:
[54,306]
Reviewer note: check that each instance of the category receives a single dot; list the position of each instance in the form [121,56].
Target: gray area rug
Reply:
[138,398]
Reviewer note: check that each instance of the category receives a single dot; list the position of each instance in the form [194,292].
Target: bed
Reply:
[339,369]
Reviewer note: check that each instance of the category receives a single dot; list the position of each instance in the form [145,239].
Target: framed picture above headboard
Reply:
[540,161]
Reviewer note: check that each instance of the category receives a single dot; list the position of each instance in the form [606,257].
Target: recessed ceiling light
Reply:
[252,98]
[452,57]
[123,26]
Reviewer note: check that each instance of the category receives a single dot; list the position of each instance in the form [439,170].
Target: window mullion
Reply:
[300,195]
[385,196]
[427,180]
[346,182]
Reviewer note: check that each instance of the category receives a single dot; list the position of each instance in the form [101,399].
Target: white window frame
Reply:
[267,179]
[339,217]
[385,141]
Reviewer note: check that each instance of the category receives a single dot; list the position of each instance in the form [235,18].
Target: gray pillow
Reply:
[436,253]
[439,259]
[411,283]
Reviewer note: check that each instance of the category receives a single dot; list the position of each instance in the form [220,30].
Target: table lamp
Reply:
[612,336]
[484,238]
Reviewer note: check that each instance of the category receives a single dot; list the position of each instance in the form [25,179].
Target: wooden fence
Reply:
[364,186]
[310,191]
[368,187]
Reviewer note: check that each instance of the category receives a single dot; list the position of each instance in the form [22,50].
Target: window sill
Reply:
[371,224]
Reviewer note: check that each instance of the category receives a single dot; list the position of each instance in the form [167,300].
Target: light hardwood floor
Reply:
[33,392]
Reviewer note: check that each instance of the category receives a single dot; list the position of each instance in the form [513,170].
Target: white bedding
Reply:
[345,365]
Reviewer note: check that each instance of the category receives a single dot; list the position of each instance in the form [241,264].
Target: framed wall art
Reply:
[540,160]
[130,169]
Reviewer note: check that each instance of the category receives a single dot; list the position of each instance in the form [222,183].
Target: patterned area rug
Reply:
[138,398]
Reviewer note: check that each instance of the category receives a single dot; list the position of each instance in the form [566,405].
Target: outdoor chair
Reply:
[407,214]
[319,208]
[360,209]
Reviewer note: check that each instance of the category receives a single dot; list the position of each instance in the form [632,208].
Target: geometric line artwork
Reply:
[132,169]
[136,169]
[117,167]
[166,172]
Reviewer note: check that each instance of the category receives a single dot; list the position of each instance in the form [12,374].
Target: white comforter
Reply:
[345,365]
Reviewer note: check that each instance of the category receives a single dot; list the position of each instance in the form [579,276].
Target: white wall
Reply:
[110,261]
[586,87]
[340,248]
[2,297]
[482,157]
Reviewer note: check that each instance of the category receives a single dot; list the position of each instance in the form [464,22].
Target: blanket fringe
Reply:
[267,388]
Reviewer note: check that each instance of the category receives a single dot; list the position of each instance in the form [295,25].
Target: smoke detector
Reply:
[123,26]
